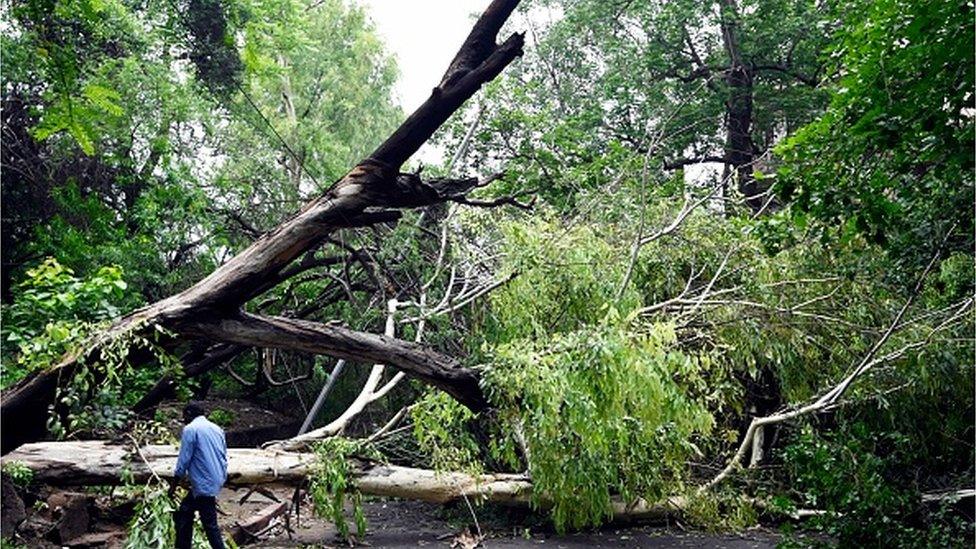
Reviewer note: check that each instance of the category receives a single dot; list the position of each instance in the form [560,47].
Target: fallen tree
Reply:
[95,462]
[372,192]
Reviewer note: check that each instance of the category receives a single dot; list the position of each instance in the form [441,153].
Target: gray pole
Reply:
[320,400]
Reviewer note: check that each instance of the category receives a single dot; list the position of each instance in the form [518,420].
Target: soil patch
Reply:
[401,524]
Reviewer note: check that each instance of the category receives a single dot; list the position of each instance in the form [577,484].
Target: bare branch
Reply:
[511,200]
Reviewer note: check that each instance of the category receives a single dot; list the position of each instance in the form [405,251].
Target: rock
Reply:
[72,510]
[12,511]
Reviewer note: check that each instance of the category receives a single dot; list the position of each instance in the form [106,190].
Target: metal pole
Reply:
[320,400]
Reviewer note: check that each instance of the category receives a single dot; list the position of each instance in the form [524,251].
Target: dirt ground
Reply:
[416,524]
[76,520]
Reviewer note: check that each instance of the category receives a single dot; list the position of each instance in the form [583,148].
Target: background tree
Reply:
[690,82]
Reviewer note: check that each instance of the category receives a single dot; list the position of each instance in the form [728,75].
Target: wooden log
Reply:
[93,462]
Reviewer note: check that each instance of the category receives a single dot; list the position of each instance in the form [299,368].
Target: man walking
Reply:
[203,458]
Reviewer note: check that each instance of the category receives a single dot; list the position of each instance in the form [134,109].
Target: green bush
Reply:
[221,417]
[54,311]
[864,482]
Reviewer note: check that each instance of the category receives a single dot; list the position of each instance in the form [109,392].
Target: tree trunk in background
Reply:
[739,149]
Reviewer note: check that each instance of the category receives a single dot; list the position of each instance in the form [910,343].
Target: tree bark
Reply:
[213,305]
[739,148]
[416,360]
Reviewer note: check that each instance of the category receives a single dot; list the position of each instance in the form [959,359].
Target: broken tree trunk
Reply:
[370,193]
[93,462]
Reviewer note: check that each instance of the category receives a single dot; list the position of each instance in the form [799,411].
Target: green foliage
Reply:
[718,512]
[566,278]
[145,432]
[152,527]
[862,479]
[598,404]
[98,398]
[608,80]
[54,314]
[440,425]
[148,167]
[603,412]
[7,543]
[892,158]
[221,417]
[330,484]
[54,311]
[212,50]
[152,523]
[19,473]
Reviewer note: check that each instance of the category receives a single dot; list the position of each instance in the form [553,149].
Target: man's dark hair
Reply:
[193,409]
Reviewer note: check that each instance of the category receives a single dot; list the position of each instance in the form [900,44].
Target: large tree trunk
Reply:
[739,148]
[212,307]
[92,462]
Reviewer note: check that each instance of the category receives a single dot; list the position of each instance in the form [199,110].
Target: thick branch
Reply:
[511,200]
[416,360]
[789,71]
[446,98]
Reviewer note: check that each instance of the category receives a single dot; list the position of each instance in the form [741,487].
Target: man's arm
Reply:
[187,445]
[223,454]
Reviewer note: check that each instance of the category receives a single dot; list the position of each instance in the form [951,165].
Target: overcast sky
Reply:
[424,35]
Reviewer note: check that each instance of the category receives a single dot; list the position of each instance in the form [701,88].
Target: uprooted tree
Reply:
[645,337]
[370,193]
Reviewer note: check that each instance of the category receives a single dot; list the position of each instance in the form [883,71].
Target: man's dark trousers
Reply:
[207,507]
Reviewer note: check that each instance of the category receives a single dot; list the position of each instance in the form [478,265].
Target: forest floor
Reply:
[391,523]
[82,519]
[395,523]
[89,518]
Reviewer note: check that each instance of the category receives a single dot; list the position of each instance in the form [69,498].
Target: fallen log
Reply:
[94,462]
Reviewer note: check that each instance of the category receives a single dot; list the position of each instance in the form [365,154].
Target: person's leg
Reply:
[183,519]
[208,516]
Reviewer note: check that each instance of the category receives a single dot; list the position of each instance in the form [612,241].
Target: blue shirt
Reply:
[203,457]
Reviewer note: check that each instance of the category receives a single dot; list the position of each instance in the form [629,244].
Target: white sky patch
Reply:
[423,35]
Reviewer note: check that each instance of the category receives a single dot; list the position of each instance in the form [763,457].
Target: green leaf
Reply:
[81,136]
[103,98]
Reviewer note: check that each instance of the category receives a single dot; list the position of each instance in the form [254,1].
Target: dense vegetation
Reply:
[709,212]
